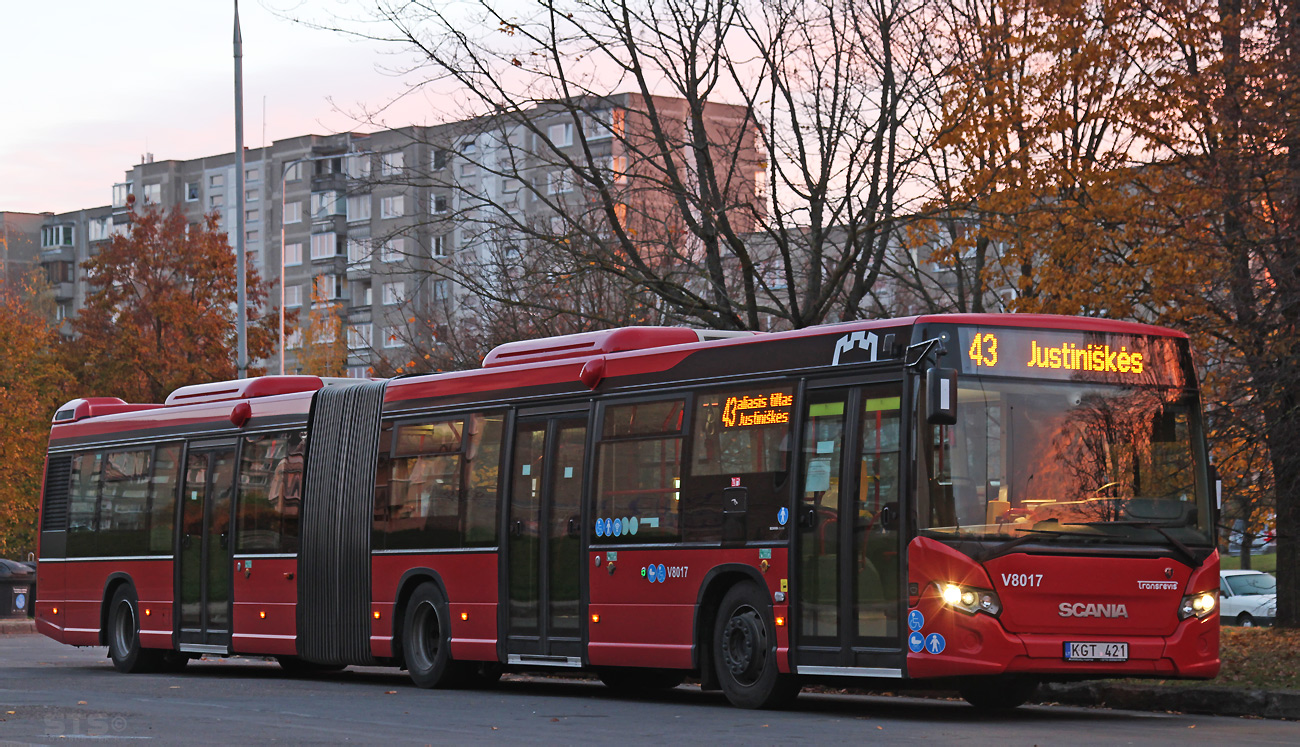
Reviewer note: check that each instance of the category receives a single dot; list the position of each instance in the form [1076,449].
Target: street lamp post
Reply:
[284,175]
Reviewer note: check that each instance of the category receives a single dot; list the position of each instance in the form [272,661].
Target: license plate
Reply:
[1096,651]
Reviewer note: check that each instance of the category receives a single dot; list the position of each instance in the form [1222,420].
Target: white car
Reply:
[1247,598]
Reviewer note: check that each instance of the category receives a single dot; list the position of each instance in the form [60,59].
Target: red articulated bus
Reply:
[978,502]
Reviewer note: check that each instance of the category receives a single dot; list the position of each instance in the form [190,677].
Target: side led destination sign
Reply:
[1070,356]
[748,410]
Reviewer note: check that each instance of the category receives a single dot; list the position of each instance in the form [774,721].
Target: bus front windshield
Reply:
[1066,462]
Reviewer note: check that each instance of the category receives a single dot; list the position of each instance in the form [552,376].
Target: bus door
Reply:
[544,541]
[850,539]
[204,572]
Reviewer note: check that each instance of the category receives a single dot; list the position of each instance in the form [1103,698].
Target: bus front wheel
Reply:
[426,639]
[744,651]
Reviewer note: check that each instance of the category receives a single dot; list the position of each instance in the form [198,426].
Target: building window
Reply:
[251,175]
[358,372]
[438,204]
[252,235]
[292,296]
[216,201]
[153,194]
[392,207]
[294,339]
[328,287]
[558,183]
[292,212]
[394,293]
[293,254]
[441,289]
[468,168]
[252,195]
[440,246]
[52,236]
[191,191]
[358,208]
[438,160]
[358,166]
[391,338]
[100,228]
[359,337]
[560,134]
[760,186]
[598,125]
[120,193]
[252,216]
[393,250]
[294,173]
[324,245]
[216,180]
[391,163]
[357,251]
[325,204]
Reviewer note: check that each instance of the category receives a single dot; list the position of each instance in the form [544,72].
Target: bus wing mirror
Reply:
[941,396]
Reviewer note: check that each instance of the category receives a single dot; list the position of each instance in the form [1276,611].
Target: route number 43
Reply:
[984,349]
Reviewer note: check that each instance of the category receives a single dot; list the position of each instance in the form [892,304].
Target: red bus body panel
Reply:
[1030,633]
[652,624]
[470,581]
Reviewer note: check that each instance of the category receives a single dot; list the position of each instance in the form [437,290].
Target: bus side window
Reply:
[270,492]
[639,484]
[82,503]
[162,497]
[740,438]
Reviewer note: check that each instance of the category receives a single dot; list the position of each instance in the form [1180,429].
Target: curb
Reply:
[17,626]
[1216,701]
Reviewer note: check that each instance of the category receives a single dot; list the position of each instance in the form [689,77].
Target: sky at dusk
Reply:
[89,86]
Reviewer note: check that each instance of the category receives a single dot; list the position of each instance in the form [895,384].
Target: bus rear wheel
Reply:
[426,639]
[124,636]
[998,693]
[744,651]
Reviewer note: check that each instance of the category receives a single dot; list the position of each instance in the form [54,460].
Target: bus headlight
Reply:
[970,599]
[1198,605]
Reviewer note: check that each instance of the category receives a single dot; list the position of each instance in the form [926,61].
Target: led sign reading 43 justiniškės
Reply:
[1080,356]
[757,409]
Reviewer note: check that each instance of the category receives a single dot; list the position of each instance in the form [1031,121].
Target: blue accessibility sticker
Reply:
[650,573]
[600,528]
[916,642]
[782,516]
[661,573]
[618,527]
[609,527]
[915,620]
[934,643]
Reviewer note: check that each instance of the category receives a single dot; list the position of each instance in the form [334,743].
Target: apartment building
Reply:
[391,230]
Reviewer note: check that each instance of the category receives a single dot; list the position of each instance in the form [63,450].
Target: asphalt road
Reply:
[50,693]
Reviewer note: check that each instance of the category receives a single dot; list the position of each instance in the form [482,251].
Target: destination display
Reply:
[749,410]
[1069,355]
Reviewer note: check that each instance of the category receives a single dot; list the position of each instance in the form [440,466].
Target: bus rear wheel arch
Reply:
[123,638]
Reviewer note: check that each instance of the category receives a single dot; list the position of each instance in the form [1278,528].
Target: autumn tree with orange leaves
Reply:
[161,314]
[33,383]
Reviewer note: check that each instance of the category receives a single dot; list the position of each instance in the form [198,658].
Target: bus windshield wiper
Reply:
[1008,546]
[1177,544]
